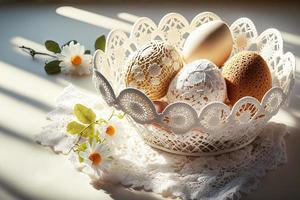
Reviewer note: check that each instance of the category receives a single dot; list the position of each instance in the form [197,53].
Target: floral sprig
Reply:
[69,58]
[96,137]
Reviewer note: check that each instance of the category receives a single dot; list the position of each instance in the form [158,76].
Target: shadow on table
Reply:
[33,102]
[120,192]
[16,135]
[15,192]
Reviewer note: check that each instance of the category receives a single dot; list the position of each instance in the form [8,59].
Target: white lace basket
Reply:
[218,128]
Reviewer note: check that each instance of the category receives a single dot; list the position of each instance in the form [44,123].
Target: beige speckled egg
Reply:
[246,74]
[212,41]
[152,68]
[198,84]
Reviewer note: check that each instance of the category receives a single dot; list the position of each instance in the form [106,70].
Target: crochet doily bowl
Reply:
[179,129]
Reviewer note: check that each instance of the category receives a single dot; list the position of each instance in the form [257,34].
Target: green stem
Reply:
[112,114]
[95,122]
[32,52]
[80,135]
[82,131]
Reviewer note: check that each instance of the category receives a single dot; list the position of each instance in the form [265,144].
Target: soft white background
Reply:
[29,171]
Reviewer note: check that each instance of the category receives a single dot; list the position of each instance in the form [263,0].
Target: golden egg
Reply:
[246,74]
[212,41]
[152,68]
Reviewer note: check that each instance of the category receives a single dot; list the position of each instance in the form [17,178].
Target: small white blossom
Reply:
[112,132]
[97,157]
[74,61]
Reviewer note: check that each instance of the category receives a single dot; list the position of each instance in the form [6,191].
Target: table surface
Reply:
[27,94]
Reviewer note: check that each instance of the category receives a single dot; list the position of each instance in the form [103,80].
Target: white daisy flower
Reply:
[74,61]
[97,157]
[112,132]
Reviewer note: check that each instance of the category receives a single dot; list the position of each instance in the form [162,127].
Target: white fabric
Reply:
[139,166]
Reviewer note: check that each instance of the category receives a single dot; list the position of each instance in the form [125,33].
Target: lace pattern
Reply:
[137,165]
[218,127]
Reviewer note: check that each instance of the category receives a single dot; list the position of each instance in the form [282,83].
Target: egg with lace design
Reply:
[198,84]
[152,68]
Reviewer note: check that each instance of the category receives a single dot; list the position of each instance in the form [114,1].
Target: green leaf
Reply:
[81,147]
[91,141]
[110,158]
[52,46]
[89,132]
[100,43]
[81,159]
[75,42]
[75,128]
[97,137]
[80,129]
[87,52]
[120,115]
[52,67]
[84,114]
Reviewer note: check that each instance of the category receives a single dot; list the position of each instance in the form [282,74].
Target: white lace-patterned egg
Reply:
[197,84]
[152,68]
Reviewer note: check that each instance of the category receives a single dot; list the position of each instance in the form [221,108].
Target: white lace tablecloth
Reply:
[137,165]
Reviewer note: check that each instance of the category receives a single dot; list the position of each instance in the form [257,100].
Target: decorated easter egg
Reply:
[246,74]
[152,68]
[197,84]
[212,41]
